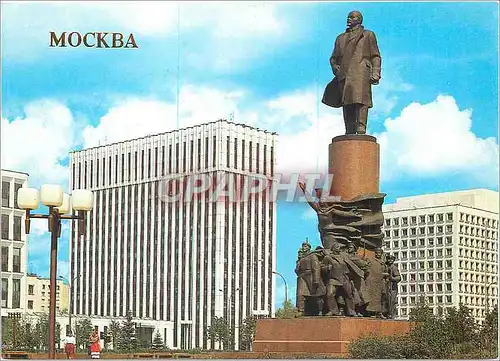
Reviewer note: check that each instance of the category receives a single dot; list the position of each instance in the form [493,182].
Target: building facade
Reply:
[39,292]
[183,262]
[14,246]
[446,247]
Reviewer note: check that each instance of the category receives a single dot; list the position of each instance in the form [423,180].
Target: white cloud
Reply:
[219,27]
[133,118]
[427,140]
[38,142]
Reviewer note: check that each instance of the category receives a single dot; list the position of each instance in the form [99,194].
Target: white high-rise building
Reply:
[446,246]
[14,246]
[179,262]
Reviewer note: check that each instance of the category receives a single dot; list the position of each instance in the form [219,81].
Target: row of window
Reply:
[30,306]
[16,292]
[6,194]
[481,255]
[17,229]
[477,243]
[466,276]
[420,231]
[31,289]
[422,242]
[431,253]
[478,232]
[423,219]
[478,220]
[476,266]
[439,287]
[16,259]
[112,170]
[430,299]
[421,265]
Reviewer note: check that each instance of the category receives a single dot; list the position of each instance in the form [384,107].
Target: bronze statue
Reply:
[357,281]
[336,268]
[356,64]
[394,277]
[376,285]
[309,283]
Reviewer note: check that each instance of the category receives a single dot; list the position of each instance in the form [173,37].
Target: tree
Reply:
[219,331]
[115,331]
[43,330]
[157,341]
[128,338]
[287,311]
[452,335]
[83,329]
[247,332]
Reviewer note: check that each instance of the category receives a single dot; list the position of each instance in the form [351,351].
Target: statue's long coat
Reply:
[375,286]
[356,53]
[308,270]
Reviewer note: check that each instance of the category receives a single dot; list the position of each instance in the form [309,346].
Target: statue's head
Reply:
[390,259]
[378,252]
[306,247]
[351,247]
[354,18]
[336,247]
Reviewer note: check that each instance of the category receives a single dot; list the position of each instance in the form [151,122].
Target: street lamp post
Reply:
[70,311]
[59,205]
[284,281]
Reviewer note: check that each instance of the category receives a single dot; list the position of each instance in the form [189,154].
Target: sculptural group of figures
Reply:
[334,276]
[339,282]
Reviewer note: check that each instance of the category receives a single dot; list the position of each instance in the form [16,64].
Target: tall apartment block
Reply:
[446,246]
[183,263]
[14,247]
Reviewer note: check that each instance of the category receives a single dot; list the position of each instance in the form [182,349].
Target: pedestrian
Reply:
[95,345]
[69,346]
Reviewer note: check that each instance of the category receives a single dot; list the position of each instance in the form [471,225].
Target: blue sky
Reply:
[435,111]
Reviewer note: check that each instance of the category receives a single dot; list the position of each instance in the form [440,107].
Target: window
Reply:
[5,226]
[430,253]
[396,244]
[430,241]
[17,228]
[404,220]
[396,221]
[430,299]
[16,260]
[422,219]
[388,222]
[5,259]
[30,305]
[448,275]
[448,299]
[430,265]
[396,233]
[16,293]
[448,287]
[31,289]
[421,277]
[5,291]
[405,243]
[404,254]
[439,276]
[449,216]
[404,289]
[422,242]
[421,230]
[449,228]
[16,189]
[440,287]
[405,232]
[413,243]
[448,264]
[421,288]
[440,241]
[421,254]
[439,264]
[5,194]
[440,217]
[404,300]
[430,276]
[413,220]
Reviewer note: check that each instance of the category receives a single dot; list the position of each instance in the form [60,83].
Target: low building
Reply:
[446,246]
[39,294]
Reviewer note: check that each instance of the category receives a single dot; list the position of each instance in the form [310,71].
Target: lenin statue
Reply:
[356,64]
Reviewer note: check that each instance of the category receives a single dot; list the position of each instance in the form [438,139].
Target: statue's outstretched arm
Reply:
[309,199]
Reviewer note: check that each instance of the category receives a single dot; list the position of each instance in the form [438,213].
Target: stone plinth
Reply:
[320,334]
[354,162]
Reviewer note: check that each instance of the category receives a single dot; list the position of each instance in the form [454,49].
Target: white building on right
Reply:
[446,246]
